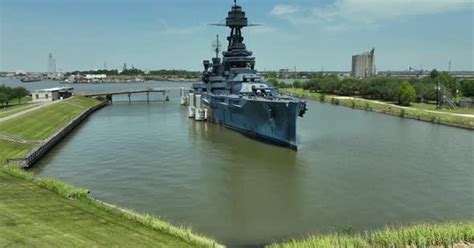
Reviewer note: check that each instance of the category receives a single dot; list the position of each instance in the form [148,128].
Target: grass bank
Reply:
[48,213]
[412,112]
[23,100]
[43,122]
[13,110]
[13,150]
[432,107]
[422,235]
[33,127]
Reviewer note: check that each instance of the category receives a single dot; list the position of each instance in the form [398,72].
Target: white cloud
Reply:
[261,30]
[284,10]
[346,13]
[163,27]
[172,30]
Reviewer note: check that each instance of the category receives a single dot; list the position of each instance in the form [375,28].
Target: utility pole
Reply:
[437,93]
[50,63]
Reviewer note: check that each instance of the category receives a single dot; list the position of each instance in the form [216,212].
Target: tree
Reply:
[273,81]
[349,86]
[449,82]
[3,98]
[406,94]
[467,88]
[297,84]
[7,91]
[434,74]
[312,85]
[425,89]
[19,92]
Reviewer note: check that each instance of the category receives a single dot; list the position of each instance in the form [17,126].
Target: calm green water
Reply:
[354,169]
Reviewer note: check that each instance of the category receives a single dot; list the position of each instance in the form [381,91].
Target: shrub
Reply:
[402,112]
[101,98]
[63,189]
[53,185]
[273,81]
[406,94]
[322,97]
[467,88]
[367,106]
[297,84]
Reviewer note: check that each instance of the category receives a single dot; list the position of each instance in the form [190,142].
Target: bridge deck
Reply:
[125,92]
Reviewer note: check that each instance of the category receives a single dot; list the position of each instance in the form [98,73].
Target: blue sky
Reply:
[167,34]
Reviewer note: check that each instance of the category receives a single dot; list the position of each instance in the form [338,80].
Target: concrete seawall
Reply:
[40,150]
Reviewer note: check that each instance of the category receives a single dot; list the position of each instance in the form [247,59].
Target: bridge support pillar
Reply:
[129,99]
[148,96]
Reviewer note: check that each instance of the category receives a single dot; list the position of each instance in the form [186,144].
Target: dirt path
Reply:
[26,111]
[397,106]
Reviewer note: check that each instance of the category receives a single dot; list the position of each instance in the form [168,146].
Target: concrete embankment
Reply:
[40,150]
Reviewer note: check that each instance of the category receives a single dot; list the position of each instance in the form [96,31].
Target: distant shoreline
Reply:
[121,80]
[135,81]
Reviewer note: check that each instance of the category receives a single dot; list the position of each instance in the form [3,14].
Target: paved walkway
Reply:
[397,106]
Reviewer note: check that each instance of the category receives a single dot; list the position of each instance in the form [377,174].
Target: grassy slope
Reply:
[23,100]
[32,216]
[433,107]
[39,212]
[12,150]
[447,119]
[13,110]
[423,235]
[42,123]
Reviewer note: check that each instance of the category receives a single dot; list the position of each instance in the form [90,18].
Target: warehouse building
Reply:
[52,94]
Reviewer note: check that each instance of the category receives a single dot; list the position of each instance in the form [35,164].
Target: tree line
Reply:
[387,88]
[9,93]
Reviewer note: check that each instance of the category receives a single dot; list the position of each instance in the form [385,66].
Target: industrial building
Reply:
[52,94]
[363,64]
[96,76]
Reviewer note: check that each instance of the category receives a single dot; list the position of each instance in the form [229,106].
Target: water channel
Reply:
[354,170]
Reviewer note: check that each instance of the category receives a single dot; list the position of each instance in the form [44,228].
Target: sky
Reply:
[174,34]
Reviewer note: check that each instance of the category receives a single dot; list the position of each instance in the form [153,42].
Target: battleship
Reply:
[235,96]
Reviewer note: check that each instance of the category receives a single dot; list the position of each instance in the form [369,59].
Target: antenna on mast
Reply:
[216,46]
[235,2]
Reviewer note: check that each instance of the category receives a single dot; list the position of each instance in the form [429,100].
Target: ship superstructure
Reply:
[234,96]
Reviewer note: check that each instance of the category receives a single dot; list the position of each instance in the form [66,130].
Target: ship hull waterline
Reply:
[267,121]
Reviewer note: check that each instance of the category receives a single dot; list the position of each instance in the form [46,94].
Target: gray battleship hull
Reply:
[236,97]
[271,121]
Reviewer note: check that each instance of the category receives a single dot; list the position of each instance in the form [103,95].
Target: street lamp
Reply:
[437,88]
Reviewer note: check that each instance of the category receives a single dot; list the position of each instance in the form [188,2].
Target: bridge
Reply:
[109,94]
